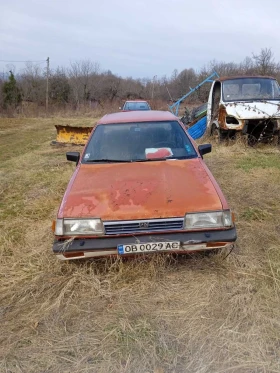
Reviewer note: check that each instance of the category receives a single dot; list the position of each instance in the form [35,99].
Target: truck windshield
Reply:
[131,142]
[248,89]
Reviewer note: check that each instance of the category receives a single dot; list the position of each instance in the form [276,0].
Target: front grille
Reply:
[138,226]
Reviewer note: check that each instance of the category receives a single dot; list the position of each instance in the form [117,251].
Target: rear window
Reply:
[139,141]
[137,106]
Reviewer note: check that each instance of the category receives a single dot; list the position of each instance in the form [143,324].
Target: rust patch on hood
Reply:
[143,190]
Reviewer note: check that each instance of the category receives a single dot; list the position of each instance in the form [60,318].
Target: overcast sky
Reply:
[139,38]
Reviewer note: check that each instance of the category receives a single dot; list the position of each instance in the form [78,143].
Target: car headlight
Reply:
[211,219]
[73,227]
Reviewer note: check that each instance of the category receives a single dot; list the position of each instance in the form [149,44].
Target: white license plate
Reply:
[148,247]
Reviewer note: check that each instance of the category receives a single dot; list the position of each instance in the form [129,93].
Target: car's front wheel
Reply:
[218,135]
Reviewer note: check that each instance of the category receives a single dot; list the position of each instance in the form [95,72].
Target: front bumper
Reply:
[105,246]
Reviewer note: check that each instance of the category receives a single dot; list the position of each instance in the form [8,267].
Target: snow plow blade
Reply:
[72,135]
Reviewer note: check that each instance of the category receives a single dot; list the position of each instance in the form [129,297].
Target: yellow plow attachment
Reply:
[72,135]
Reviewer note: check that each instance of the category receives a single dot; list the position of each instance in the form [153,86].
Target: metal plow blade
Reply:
[72,135]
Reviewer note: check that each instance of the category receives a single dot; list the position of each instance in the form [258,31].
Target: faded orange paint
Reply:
[126,191]
[137,116]
[159,153]
[139,190]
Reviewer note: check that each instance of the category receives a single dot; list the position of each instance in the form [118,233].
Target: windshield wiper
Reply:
[164,159]
[106,160]
[185,156]
[149,159]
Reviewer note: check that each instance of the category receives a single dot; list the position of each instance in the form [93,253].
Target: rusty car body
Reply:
[141,186]
[246,106]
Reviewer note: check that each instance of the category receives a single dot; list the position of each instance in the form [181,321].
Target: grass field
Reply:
[194,315]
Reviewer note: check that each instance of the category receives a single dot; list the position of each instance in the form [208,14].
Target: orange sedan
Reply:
[141,186]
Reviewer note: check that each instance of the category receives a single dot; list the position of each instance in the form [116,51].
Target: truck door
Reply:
[214,104]
[209,106]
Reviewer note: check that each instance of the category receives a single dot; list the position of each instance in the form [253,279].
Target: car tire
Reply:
[276,139]
[243,139]
[218,136]
[211,253]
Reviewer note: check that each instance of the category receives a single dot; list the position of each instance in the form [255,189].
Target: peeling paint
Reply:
[253,110]
[260,119]
[140,191]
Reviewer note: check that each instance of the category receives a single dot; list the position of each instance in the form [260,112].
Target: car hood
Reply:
[253,110]
[126,191]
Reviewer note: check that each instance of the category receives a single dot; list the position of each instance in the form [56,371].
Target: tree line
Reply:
[84,83]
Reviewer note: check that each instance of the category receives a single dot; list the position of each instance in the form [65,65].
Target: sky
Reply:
[138,38]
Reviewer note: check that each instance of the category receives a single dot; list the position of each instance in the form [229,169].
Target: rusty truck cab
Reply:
[246,106]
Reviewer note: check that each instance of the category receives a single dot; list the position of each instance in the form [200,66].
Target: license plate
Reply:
[148,247]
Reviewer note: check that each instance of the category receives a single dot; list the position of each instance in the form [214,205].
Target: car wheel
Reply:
[210,253]
[243,138]
[217,135]
[276,139]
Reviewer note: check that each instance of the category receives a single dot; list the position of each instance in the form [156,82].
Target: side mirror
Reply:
[204,149]
[73,157]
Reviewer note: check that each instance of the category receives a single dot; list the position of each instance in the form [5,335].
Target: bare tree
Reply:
[186,80]
[247,66]
[59,86]
[111,86]
[81,74]
[264,62]
[84,83]
[131,89]
[32,83]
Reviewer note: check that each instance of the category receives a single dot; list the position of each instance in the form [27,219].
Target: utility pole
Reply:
[47,88]
[154,78]
[171,99]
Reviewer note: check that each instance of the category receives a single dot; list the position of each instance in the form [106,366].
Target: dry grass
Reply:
[33,110]
[197,314]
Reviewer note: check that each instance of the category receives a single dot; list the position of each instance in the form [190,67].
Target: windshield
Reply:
[145,141]
[250,89]
[136,106]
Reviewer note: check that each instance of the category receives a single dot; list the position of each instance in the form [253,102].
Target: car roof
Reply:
[136,101]
[137,116]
